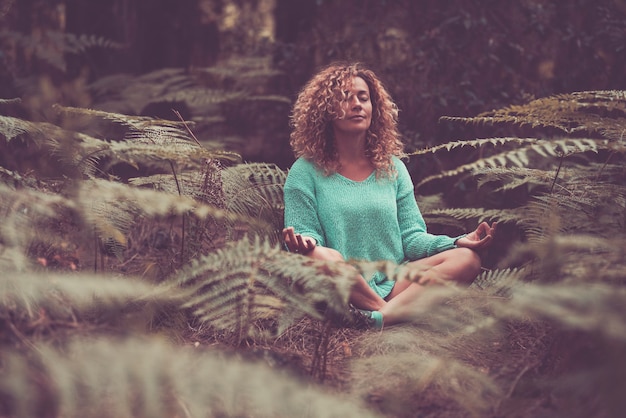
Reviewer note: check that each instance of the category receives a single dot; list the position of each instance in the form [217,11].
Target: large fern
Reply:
[255,190]
[112,208]
[250,283]
[52,46]
[521,157]
[588,112]
[136,141]
[151,378]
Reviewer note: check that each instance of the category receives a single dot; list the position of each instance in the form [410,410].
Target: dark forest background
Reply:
[143,153]
[451,57]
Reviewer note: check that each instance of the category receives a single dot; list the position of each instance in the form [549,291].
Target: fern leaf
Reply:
[112,208]
[573,113]
[476,143]
[589,307]
[520,157]
[150,378]
[61,296]
[11,127]
[14,101]
[449,215]
[145,142]
[28,217]
[244,282]
[513,177]
[419,376]
[499,282]
[255,190]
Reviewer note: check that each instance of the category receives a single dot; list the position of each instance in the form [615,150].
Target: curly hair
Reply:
[318,104]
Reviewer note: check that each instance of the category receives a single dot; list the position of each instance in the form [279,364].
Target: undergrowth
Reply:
[142,275]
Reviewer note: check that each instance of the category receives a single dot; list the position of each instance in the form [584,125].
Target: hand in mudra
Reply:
[298,243]
[480,238]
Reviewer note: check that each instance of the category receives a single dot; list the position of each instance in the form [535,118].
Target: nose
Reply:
[355,102]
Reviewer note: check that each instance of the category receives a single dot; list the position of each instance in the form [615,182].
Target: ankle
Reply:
[377,316]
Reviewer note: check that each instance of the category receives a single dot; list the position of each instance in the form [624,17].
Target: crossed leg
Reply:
[459,265]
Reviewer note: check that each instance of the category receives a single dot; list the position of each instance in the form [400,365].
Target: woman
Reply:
[349,196]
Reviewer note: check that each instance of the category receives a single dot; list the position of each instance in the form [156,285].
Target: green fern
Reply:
[247,283]
[510,178]
[574,306]
[412,379]
[521,157]
[476,143]
[151,378]
[145,142]
[176,85]
[51,46]
[29,217]
[255,190]
[112,208]
[500,281]
[66,297]
[573,113]
[453,217]
[12,128]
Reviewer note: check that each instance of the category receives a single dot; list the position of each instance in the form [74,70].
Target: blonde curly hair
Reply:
[318,104]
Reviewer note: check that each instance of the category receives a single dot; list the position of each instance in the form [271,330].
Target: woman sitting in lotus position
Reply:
[349,196]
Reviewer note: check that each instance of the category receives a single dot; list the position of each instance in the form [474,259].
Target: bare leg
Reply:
[362,296]
[460,265]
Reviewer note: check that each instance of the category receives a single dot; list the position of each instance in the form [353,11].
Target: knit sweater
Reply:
[374,219]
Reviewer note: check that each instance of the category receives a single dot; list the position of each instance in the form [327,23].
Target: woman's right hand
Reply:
[298,243]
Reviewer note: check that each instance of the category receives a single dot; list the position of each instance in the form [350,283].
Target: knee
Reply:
[470,260]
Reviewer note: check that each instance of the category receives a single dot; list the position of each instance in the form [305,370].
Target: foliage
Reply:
[236,288]
[141,260]
[153,378]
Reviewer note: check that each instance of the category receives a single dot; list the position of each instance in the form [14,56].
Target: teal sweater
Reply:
[374,219]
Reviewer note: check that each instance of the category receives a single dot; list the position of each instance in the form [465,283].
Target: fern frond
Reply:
[168,85]
[13,101]
[28,216]
[245,282]
[588,307]
[255,190]
[50,46]
[80,152]
[454,216]
[151,378]
[500,281]
[75,44]
[112,208]
[475,143]
[145,142]
[577,257]
[415,377]
[137,123]
[513,177]
[195,184]
[64,296]
[520,157]
[11,127]
[202,99]
[573,113]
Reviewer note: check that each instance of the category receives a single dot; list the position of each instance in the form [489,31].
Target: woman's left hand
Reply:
[480,238]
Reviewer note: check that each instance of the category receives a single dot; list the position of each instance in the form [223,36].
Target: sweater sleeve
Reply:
[416,241]
[300,201]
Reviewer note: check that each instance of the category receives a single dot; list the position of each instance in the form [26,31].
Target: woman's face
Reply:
[356,109]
